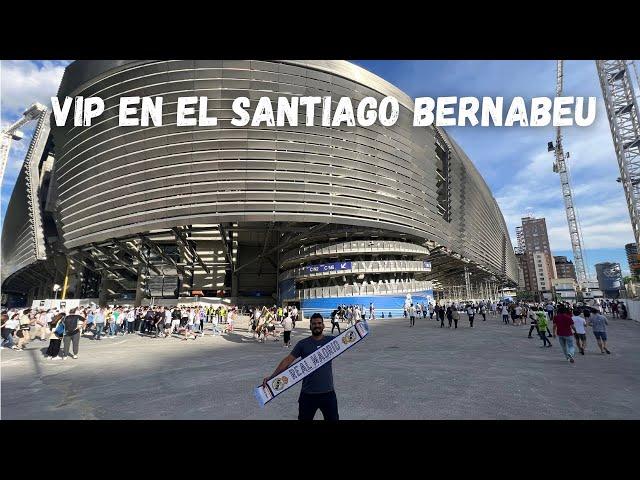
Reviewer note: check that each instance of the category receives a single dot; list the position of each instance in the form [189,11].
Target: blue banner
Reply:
[426,265]
[328,267]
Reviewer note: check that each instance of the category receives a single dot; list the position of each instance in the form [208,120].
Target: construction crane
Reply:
[622,111]
[12,133]
[560,166]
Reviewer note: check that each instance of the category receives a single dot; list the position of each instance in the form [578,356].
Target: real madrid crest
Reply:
[348,338]
[280,383]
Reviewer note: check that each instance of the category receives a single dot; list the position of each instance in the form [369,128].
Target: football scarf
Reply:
[309,364]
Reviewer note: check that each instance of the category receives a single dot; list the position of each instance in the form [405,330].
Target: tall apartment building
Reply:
[537,263]
[565,268]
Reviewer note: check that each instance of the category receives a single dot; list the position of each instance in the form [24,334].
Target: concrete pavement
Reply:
[492,371]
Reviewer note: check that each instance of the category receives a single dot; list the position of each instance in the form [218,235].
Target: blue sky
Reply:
[514,161]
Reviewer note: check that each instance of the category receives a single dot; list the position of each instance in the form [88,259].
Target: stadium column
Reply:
[102,294]
[139,286]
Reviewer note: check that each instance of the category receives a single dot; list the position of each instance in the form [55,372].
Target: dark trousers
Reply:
[99,328]
[441,322]
[531,329]
[136,325]
[455,322]
[287,336]
[505,319]
[412,321]
[471,320]
[544,338]
[310,403]
[75,338]
[54,347]
[450,320]
[334,325]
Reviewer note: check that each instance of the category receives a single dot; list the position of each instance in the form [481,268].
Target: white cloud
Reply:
[23,82]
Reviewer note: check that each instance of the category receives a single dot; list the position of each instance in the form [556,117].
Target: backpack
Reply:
[59,331]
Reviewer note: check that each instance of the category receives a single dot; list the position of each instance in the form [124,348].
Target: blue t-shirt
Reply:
[320,381]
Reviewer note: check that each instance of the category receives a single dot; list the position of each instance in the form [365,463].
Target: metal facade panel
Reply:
[112,180]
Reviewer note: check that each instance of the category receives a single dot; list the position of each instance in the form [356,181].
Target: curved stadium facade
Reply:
[308,214]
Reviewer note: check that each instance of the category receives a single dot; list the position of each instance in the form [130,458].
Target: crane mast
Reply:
[622,111]
[12,133]
[560,167]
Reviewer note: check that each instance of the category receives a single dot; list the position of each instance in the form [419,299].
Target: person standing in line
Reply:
[505,314]
[412,315]
[599,324]
[450,314]
[72,325]
[579,325]
[41,326]
[317,388]
[167,322]
[202,316]
[98,320]
[472,313]
[541,326]
[175,320]
[563,329]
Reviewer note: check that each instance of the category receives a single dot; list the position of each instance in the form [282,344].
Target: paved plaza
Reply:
[492,371]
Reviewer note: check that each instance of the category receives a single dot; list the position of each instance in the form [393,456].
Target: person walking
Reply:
[579,324]
[72,325]
[449,315]
[532,315]
[483,312]
[441,313]
[563,329]
[24,331]
[287,324]
[317,391]
[10,326]
[412,315]
[455,314]
[541,325]
[472,313]
[599,324]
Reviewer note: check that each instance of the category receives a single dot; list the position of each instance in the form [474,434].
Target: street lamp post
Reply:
[56,289]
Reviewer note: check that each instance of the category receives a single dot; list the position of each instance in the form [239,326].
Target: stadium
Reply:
[312,215]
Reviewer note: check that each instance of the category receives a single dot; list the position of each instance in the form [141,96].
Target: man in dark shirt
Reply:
[72,325]
[317,388]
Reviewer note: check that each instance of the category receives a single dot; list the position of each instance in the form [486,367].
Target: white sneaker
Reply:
[55,358]
[74,356]
[64,358]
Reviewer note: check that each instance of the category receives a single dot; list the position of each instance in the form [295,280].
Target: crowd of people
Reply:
[97,323]
[63,329]
[274,321]
[568,321]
